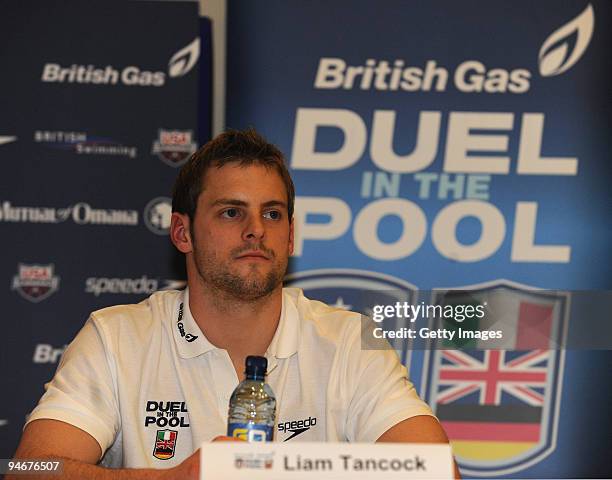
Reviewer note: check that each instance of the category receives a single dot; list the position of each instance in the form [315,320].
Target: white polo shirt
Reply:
[150,388]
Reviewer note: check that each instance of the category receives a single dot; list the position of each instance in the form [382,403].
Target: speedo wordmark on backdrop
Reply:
[130,286]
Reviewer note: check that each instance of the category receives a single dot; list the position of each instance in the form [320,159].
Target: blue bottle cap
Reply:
[256,367]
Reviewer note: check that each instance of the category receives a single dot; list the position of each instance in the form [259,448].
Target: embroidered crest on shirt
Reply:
[165,444]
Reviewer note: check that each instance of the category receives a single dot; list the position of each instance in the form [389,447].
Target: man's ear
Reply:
[291,236]
[180,233]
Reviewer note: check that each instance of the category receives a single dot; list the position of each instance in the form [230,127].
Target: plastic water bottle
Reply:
[252,408]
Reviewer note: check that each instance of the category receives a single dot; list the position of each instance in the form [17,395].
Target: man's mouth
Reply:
[253,255]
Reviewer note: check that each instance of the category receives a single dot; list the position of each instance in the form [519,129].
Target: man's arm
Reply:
[80,452]
[419,429]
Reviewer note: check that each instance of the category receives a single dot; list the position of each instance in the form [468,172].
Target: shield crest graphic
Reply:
[35,282]
[499,401]
[174,147]
[165,444]
[358,291]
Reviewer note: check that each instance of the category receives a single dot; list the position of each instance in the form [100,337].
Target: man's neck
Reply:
[241,327]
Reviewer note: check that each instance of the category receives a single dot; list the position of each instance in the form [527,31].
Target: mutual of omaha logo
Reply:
[358,291]
[158,214]
[165,444]
[173,147]
[500,406]
[35,282]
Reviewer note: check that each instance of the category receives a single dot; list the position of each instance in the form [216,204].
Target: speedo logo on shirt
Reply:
[296,427]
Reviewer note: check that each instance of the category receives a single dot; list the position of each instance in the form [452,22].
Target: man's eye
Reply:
[272,215]
[231,213]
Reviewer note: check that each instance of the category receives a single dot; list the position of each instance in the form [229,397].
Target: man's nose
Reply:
[254,228]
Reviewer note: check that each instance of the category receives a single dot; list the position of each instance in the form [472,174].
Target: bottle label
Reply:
[250,432]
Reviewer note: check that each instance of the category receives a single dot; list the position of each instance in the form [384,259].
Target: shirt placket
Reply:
[226,379]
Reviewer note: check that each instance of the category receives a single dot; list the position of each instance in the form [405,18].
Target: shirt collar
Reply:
[191,342]
[286,338]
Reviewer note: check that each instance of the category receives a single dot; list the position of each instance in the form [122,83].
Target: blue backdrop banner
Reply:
[452,144]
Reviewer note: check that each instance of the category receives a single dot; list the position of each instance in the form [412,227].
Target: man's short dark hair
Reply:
[246,148]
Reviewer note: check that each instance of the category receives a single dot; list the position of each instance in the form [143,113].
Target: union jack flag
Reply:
[492,373]
[165,444]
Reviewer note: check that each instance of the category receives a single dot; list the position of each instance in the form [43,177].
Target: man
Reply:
[143,385]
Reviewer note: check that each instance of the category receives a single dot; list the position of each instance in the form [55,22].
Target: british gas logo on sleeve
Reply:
[556,55]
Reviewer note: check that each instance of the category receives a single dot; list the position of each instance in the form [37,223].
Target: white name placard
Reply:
[276,461]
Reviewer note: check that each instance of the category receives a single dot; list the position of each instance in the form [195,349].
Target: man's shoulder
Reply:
[154,309]
[332,323]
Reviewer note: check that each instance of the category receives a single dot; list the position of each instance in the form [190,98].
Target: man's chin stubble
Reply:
[251,287]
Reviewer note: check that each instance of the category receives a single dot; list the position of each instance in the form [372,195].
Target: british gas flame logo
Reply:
[564,47]
[184,60]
